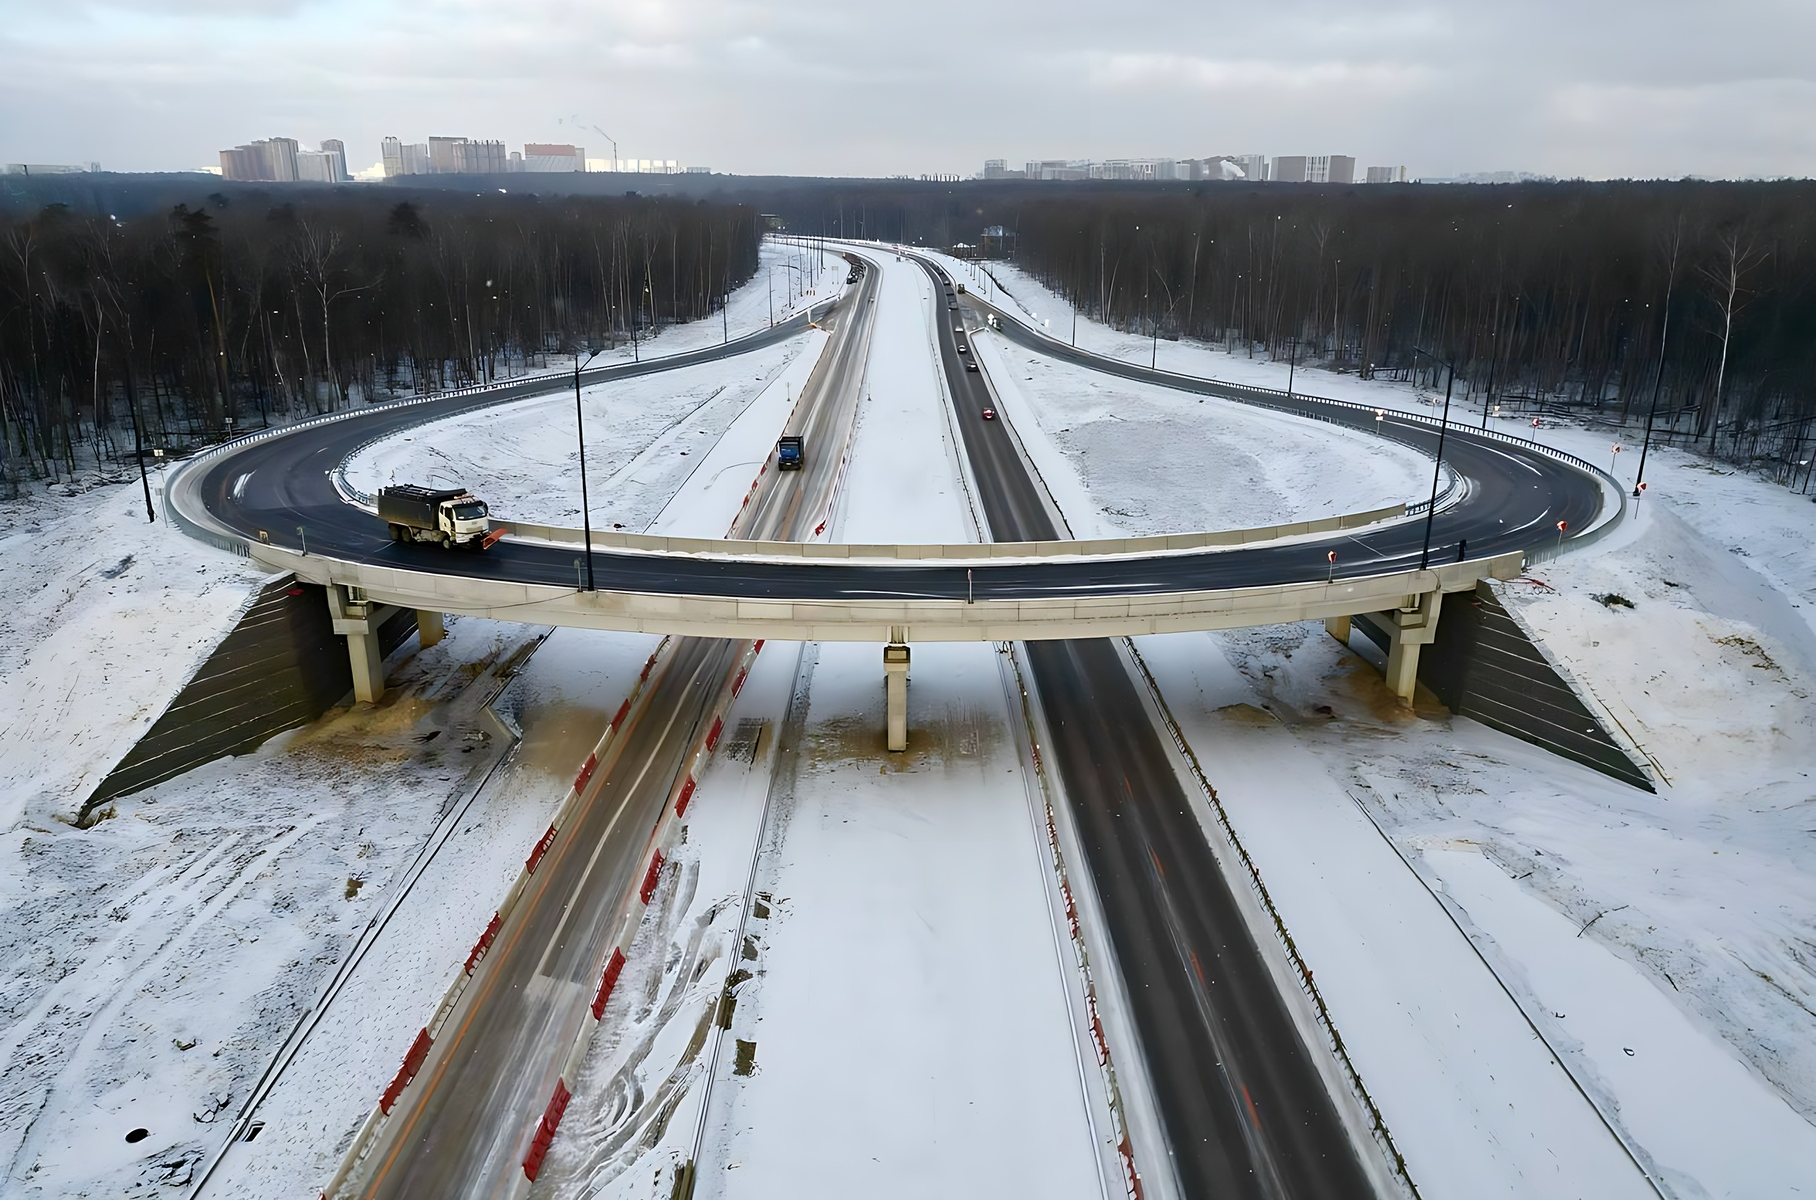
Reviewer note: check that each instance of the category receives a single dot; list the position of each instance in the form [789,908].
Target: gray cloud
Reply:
[1594,87]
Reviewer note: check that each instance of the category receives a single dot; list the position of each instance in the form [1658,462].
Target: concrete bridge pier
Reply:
[357,619]
[1412,625]
[895,683]
[430,628]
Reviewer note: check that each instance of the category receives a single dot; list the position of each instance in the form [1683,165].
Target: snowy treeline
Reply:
[1541,294]
[245,307]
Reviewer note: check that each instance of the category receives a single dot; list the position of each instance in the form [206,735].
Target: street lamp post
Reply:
[1292,362]
[586,518]
[1437,469]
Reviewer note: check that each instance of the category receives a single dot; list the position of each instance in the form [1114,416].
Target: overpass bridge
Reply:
[279,498]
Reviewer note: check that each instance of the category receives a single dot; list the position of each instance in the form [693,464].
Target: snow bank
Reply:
[103,618]
[645,437]
[1127,458]
[153,963]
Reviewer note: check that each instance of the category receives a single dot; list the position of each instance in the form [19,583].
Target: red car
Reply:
[989,414]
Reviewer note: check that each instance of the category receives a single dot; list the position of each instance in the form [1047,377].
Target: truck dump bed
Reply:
[407,504]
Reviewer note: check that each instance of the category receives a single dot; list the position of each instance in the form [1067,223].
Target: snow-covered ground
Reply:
[103,617]
[1140,459]
[1662,945]
[154,964]
[645,437]
[908,1002]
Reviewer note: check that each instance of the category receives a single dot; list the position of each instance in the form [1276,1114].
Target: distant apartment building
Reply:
[337,149]
[467,156]
[404,158]
[1330,168]
[1314,168]
[1386,175]
[282,160]
[1256,168]
[271,160]
[548,156]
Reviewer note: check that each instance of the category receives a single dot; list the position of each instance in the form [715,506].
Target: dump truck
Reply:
[788,453]
[451,516]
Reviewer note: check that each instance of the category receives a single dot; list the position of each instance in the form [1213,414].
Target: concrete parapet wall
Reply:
[1094,547]
[931,620]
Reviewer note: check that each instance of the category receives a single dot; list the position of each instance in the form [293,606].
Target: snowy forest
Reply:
[1597,298]
[182,324]
[1699,298]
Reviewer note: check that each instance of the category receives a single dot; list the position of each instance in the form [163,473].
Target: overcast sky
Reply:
[1600,88]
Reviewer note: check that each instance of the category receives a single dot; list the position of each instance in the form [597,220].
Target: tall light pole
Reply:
[1437,469]
[1292,362]
[586,518]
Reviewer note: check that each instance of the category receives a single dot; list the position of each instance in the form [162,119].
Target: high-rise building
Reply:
[540,156]
[1386,175]
[337,148]
[404,158]
[272,160]
[1255,167]
[1289,168]
[1330,168]
[314,166]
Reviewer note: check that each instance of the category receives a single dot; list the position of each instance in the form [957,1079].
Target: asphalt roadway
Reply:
[1245,1110]
[463,1128]
[1514,497]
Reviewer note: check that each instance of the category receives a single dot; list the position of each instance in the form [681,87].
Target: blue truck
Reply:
[788,453]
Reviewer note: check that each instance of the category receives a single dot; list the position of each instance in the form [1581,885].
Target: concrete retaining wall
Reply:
[281,666]
[1487,666]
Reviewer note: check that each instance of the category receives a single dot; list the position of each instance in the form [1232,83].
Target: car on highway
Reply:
[963,349]
[989,414]
[970,364]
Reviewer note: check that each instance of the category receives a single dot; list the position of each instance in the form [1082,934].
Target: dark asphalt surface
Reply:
[1245,1110]
[1515,498]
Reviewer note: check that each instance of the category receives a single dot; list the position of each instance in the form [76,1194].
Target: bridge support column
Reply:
[357,620]
[895,684]
[430,628]
[1414,624]
[1338,627]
